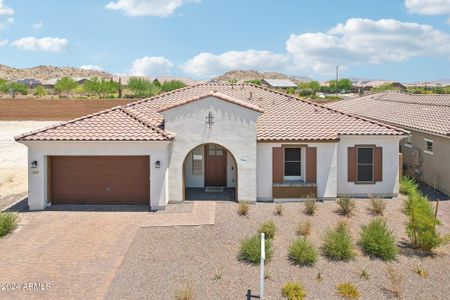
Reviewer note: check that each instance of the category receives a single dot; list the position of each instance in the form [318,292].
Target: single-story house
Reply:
[426,151]
[246,140]
[30,82]
[279,83]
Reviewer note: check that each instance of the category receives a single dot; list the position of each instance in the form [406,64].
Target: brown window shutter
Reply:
[351,164]
[378,164]
[311,164]
[277,164]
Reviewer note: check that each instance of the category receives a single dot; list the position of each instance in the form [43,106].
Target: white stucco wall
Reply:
[39,151]
[326,169]
[234,128]
[390,184]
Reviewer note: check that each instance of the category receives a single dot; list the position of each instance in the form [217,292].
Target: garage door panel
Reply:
[100,180]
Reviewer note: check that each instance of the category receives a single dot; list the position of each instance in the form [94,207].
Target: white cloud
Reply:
[47,44]
[153,66]
[38,25]
[428,7]
[91,67]
[159,8]
[207,64]
[3,42]
[5,10]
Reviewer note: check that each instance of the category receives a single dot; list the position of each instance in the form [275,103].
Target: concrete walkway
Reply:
[76,254]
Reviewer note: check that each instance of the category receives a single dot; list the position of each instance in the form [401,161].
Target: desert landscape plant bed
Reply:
[337,243]
[302,252]
[377,240]
[161,258]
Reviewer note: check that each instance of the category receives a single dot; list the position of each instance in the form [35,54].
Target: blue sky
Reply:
[406,40]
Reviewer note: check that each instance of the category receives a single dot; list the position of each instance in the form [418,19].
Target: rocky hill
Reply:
[48,72]
[244,75]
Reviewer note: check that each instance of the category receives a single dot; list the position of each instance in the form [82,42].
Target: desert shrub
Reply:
[304,228]
[302,252]
[422,222]
[420,270]
[251,249]
[268,228]
[377,240]
[186,292]
[310,206]
[278,210]
[364,274]
[347,290]
[8,221]
[377,206]
[293,291]
[338,244]
[407,185]
[243,209]
[347,206]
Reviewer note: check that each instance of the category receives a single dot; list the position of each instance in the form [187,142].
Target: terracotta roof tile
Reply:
[284,118]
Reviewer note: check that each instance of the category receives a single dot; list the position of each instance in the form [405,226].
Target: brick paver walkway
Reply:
[78,252]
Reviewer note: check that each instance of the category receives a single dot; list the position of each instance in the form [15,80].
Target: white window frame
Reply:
[408,142]
[426,146]
[292,178]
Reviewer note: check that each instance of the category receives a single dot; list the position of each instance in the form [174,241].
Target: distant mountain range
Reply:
[240,76]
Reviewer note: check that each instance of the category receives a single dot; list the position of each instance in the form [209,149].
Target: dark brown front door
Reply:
[100,180]
[216,165]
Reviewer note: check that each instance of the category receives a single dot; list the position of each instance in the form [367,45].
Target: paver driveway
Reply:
[77,252]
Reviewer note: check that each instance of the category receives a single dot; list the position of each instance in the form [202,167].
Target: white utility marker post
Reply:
[261,274]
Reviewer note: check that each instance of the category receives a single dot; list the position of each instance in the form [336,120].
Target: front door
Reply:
[216,165]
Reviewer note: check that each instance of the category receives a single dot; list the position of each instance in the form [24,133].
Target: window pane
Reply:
[365,173]
[430,146]
[365,155]
[292,169]
[292,154]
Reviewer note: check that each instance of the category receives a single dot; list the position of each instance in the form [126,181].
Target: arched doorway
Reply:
[210,173]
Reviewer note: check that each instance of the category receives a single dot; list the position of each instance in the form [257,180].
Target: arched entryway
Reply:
[210,173]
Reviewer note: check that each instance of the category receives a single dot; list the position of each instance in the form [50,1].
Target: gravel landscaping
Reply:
[163,259]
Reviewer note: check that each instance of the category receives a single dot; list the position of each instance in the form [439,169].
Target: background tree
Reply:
[142,87]
[65,85]
[171,85]
[100,87]
[344,85]
[40,91]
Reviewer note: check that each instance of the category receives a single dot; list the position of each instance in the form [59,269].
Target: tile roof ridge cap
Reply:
[131,114]
[64,123]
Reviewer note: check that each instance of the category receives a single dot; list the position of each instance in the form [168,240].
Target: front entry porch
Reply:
[211,193]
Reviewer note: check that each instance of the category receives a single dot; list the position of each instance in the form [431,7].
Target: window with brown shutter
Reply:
[351,164]
[277,164]
[311,164]
[378,164]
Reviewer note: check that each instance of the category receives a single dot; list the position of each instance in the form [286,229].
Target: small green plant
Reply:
[293,291]
[310,206]
[319,277]
[8,222]
[347,290]
[377,206]
[250,250]
[347,206]
[377,240]
[186,292]
[338,244]
[395,282]
[407,185]
[304,228]
[364,274]
[302,252]
[278,210]
[420,270]
[243,209]
[267,275]
[218,274]
[268,228]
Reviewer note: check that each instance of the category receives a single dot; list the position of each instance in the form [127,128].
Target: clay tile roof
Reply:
[216,95]
[283,118]
[428,113]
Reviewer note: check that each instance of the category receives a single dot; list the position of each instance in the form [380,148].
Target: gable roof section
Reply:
[283,118]
[428,113]
[214,94]
[283,83]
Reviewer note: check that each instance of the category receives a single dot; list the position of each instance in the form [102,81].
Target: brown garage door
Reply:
[99,180]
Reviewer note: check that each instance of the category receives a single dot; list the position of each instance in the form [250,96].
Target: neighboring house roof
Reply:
[429,113]
[29,81]
[285,118]
[279,83]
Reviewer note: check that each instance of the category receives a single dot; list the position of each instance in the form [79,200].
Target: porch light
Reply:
[157,164]
[209,119]
[34,164]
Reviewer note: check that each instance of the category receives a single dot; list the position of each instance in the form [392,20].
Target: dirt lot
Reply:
[160,260]
[13,159]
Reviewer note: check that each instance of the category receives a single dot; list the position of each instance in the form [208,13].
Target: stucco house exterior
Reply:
[244,140]
[426,150]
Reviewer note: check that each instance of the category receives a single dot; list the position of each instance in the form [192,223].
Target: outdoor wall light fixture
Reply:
[34,164]
[209,119]
[157,164]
